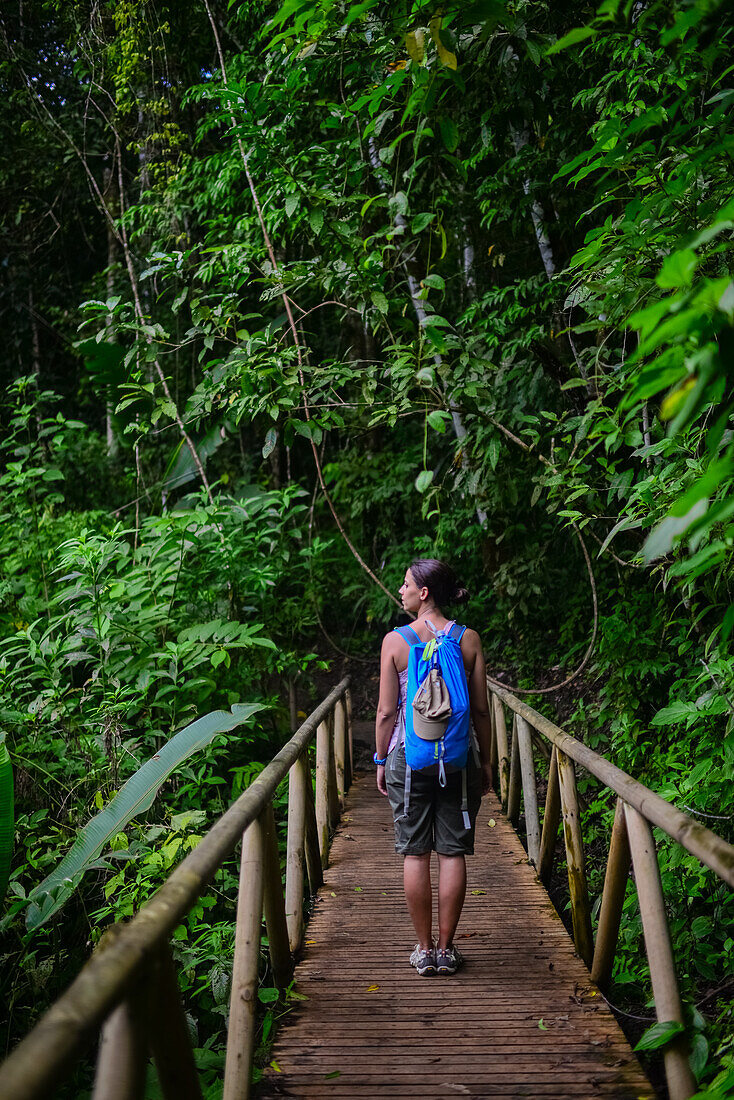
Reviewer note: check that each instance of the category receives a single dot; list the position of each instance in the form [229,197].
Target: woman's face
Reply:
[411,594]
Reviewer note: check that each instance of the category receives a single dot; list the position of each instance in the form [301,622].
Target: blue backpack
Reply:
[441,655]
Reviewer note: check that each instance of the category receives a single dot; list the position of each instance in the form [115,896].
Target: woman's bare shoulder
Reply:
[471,640]
[392,642]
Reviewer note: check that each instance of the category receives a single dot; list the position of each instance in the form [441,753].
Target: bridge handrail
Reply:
[129,984]
[632,845]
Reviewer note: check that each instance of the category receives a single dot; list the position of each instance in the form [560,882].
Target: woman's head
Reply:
[429,582]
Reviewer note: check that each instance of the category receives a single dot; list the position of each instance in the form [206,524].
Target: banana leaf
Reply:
[135,797]
[7,822]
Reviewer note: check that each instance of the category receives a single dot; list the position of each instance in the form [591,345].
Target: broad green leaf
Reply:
[435,282]
[7,820]
[449,133]
[659,1034]
[438,420]
[420,221]
[434,336]
[316,219]
[662,538]
[134,798]
[424,479]
[678,269]
[291,204]
[379,301]
[271,438]
[698,1057]
[578,34]
[728,623]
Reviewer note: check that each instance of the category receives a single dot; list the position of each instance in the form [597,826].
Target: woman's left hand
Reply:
[381,781]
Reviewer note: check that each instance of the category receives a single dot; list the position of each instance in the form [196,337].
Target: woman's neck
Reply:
[433,613]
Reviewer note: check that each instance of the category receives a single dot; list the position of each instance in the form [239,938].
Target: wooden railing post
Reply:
[551,817]
[323,753]
[578,889]
[311,838]
[349,758]
[123,1053]
[492,742]
[340,750]
[333,794]
[243,998]
[281,959]
[681,1082]
[294,854]
[529,790]
[513,789]
[503,759]
[170,1043]
[612,900]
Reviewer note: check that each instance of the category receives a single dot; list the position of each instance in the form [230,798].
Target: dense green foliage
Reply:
[466,270]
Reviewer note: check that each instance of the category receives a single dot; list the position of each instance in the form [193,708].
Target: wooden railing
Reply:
[129,989]
[632,845]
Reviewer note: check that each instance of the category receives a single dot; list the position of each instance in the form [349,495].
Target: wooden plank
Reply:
[382,1030]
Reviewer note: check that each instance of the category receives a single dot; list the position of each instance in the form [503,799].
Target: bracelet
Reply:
[380,763]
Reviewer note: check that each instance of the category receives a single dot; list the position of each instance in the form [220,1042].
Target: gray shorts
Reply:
[434,821]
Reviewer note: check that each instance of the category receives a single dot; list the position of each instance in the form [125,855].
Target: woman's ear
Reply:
[424,593]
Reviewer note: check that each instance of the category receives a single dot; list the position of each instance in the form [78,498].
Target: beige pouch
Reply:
[431,707]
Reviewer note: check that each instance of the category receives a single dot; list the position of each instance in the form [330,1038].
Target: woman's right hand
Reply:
[381,780]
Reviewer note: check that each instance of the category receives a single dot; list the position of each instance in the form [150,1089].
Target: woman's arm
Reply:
[472,646]
[387,706]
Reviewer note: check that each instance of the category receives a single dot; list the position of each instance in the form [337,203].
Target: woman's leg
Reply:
[417,884]
[451,893]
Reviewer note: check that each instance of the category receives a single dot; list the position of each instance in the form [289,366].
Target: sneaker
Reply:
[423,961]
[448,960]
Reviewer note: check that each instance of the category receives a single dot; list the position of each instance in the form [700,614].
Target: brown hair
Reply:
[440,580]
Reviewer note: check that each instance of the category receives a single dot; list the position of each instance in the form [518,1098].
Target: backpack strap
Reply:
[457,632]
[408,635]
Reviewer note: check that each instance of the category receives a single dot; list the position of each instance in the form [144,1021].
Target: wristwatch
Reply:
[380,763]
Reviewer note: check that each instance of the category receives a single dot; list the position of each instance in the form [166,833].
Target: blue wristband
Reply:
[380,763]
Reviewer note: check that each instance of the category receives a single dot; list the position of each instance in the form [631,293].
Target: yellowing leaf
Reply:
[478,891]
[414,44]
[276,1067]
[491,823]
[310,943]
[372,988]
[674,400]
[446,57]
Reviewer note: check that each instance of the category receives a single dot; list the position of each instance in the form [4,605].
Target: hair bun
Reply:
[460,596]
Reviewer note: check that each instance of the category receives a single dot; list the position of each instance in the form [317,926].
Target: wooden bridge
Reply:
[525,1017]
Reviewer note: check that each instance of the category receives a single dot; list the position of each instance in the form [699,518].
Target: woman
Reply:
[434,819]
